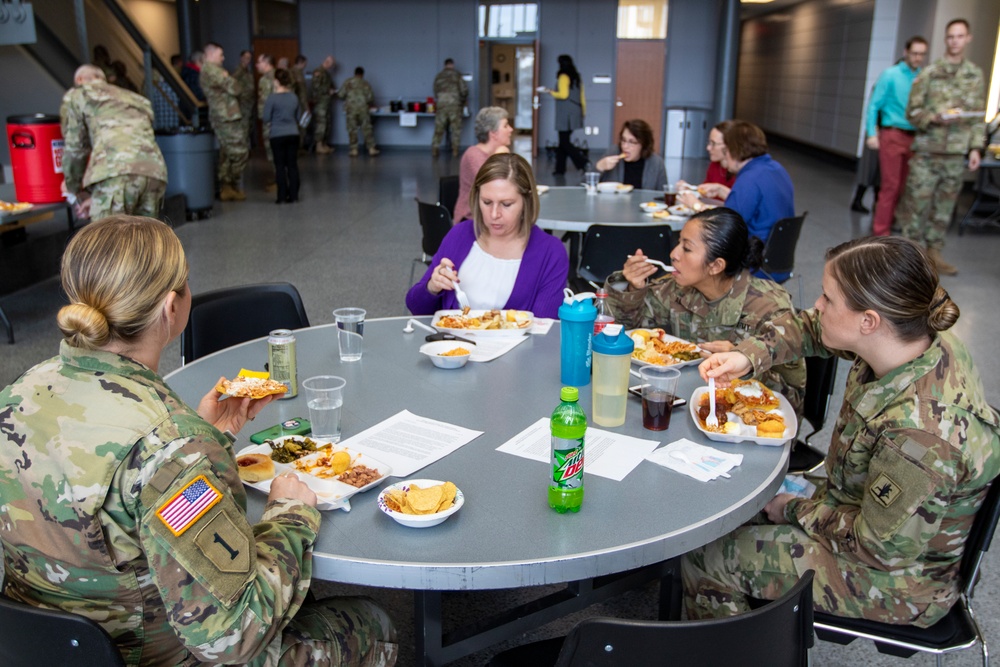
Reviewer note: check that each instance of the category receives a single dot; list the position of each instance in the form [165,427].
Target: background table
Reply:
[571,209]
[505,536]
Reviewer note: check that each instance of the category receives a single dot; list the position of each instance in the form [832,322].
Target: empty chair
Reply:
[821,373]
[777,634]
[606,247]
[33,637]
[957,631]
[435,221]
[225,317]
[779,250]
[448,193]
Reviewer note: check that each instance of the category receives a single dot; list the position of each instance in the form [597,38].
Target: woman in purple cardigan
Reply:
[506,261]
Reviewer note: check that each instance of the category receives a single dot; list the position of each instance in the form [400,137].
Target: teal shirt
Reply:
[892,91]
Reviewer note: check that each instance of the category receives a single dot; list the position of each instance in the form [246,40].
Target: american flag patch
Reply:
[188,505]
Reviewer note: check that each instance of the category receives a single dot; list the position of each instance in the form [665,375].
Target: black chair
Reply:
[779,250]
[225,317]
[606,247]
[957,631]
[448,193]
[32,637]
[435,221]
[777,634]
[821,374]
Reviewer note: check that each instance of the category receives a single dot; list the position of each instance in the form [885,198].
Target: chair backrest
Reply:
[779,634]
[606,247]
[233,315]
[435,221]
[980,537]
[821,374]
[448,193]
[779,250]
[31,637]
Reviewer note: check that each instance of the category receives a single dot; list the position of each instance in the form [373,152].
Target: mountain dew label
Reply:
[567,463]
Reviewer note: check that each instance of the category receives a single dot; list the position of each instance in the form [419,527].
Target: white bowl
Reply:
[434,350]
[652,206]
[608,186]
[420,520]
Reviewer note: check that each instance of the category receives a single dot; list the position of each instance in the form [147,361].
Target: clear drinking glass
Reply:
[350,332]
[325,398]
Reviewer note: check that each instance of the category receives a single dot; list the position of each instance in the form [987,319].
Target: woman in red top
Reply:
[717,172]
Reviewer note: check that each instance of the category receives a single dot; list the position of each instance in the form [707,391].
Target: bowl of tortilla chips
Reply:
[420,503]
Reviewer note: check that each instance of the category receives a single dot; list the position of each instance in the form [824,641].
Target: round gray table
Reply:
[505,536]
[571,209]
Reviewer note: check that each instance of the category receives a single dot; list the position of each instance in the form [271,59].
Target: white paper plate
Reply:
[419,520]
[614,187]
[747,433]
[330,493]
[652,206]
[485,333]
[542,189]
[666,338]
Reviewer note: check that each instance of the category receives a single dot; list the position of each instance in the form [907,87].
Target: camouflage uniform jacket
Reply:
[221,92]
[357,95]
[264,89]
[321,85]
[750,309]
[942,86]
[93,447]
[300,87]
[108,132]
[911,456]
[449,88]
[247,94]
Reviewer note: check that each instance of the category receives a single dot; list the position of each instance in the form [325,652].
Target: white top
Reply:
[487,280]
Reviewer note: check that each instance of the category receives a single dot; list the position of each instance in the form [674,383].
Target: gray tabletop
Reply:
[571,209]
[505,536]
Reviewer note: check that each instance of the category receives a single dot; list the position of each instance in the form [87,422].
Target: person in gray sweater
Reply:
[635,164]
[282,111]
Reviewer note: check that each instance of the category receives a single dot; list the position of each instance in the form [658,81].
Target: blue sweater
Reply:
[763,194]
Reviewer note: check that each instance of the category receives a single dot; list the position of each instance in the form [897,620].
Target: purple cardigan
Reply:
[538,287]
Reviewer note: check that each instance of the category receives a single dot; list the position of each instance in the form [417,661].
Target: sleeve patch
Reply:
[884,490]
[224,544]
[188,505]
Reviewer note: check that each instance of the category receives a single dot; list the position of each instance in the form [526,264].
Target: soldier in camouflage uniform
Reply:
[358,99]
[321,93]
[912,454]
[733,306]
[110,149]
[450,93]
[301,90]
[124,505]
[222,94]
[265,86]
[942,142]
[248,93]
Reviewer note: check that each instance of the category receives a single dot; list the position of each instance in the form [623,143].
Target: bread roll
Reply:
[255,467]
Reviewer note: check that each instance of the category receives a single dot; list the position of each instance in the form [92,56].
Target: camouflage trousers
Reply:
[765,561]
[265,132]
[448,117]
[234,151]
[321,120]
[359,119]
[129,194]
[343,631]
[928,202]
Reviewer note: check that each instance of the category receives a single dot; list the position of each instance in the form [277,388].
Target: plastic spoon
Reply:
[656,262]
[681,456]
[463,299]
[711,421]
[409,326]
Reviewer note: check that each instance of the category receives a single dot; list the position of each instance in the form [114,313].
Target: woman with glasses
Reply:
[716,147]
[635,163]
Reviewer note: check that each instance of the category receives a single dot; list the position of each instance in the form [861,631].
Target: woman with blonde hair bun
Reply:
[124,505]
[911,457]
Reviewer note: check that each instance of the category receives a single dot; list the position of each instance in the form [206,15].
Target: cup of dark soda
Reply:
[659,388]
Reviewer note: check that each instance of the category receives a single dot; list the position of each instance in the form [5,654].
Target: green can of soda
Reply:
[281,361]
[568,426]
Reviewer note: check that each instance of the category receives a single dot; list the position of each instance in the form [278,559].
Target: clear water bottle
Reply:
[568,426]
[604,316]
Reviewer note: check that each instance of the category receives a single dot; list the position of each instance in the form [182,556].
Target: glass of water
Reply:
[325,398]
[350,332]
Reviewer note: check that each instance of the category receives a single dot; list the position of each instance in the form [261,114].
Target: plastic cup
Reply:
[669,195]
[591,179]
[659,388]
[350,332]
[325,398]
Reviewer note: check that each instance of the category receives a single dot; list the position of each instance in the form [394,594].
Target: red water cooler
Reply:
[36,150]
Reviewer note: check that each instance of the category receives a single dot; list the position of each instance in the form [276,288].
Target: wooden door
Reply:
[279,48]
[639,84]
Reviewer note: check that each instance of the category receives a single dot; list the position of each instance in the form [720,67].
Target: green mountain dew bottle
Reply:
[569,424]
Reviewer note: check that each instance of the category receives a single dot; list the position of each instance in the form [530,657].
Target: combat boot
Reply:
[323,149]
[435,151]
[373,151]
[227,193]
[943,267]
[354,151]
[239,195]
[271,188]
[454,152]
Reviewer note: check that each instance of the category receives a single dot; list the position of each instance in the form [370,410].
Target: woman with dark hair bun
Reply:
[710,298]
[911,457]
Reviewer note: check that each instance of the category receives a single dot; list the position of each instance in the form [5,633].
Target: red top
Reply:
[717,174]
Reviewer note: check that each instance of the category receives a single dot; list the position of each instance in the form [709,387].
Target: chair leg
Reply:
[10,327]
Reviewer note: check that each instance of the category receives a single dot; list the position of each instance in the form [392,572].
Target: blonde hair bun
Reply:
[943,312]
[83,326]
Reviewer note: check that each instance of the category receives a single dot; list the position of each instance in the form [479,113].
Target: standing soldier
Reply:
[222,94]
[321,95]
[940,93]
[450,93]
[265,86]
[244,76]
[110,149]
[358,99]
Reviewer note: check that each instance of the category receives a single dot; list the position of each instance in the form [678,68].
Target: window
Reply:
[508,20]
[642,19]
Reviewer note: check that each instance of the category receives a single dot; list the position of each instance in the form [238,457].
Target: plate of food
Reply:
[662,215]
[747,412]
[542,189]
[488,323]
[652,206]
[420,503]
[655,347]
[334,473]
[11,208]
[614,187]
[250,387]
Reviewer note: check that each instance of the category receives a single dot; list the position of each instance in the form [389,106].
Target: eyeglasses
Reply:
[715,144]
[631,142]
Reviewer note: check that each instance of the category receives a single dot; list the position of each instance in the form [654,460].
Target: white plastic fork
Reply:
[656,262]
[711,421]
[463,299]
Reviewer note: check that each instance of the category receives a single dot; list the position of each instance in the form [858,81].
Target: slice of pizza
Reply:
[242,387]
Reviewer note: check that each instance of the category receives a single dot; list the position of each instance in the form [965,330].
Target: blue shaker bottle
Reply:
[576,327]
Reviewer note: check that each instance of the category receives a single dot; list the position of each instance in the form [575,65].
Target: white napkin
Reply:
[703,463]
